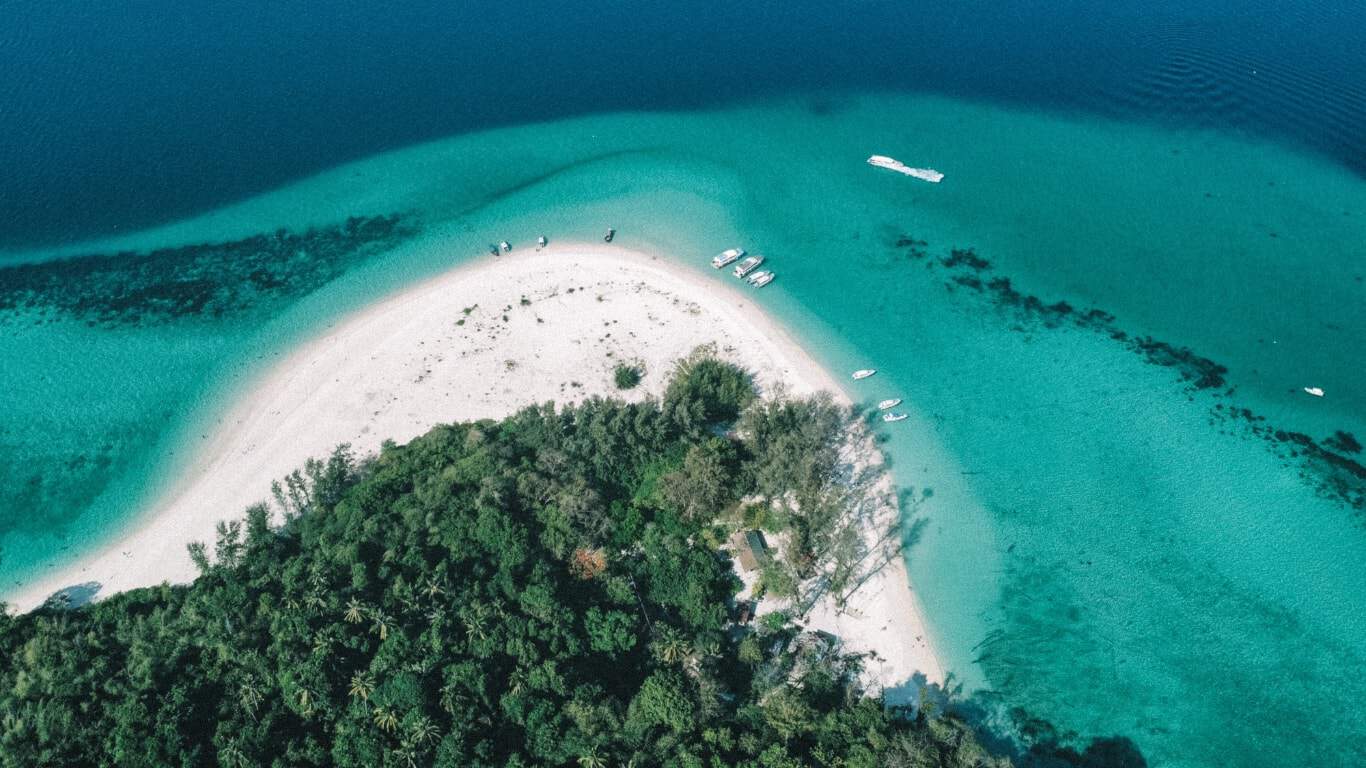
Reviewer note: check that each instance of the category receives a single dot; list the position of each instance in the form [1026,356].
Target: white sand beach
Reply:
[482,341]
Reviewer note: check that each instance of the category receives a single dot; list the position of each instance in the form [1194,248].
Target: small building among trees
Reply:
[750,549]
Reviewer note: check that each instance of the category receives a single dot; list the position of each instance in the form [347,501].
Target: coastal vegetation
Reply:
[543,590]
[626,376]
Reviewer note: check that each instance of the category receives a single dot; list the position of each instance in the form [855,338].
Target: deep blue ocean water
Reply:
[125,114]
[1108,545]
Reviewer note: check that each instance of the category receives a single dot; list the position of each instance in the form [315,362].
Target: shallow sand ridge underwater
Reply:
[1105,548]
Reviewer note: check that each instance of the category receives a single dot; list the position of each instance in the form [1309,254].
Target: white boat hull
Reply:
[727,257]
[892,164]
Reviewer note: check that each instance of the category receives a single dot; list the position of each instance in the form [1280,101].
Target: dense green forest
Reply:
[544,590]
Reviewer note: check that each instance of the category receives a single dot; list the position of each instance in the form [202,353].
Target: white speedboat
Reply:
[541,241]
[1315,391]
[726,257]
[762,278]
[892,164]
[863,373]
[891,417]
[505,245]
[890,402]
[748,265]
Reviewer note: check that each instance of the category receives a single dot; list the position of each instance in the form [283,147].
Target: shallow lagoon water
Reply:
[1096,543]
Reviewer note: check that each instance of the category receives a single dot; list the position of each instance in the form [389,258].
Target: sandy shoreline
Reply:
[481,341]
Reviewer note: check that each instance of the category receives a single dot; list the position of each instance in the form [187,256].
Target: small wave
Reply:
[1201,73]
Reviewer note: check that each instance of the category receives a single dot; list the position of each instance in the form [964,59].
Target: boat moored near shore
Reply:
[748,265]
[761,278]
[726,257]
[890,402]
[862,373]
[893,417]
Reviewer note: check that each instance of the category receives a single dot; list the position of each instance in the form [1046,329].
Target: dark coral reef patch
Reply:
[1326,465]
[207,280]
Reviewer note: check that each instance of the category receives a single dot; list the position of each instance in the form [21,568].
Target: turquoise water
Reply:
[1105,541]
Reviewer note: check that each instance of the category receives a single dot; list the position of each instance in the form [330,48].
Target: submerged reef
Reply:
[1335,474]
[207,280]
[1326,465]
[972,272]
[45,482]
[48,477]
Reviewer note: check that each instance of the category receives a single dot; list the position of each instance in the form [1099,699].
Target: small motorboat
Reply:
[1315,391]
[863,373]
[505,245]
[748,265]
[892,417]
[493,249]
[760,279]
[726,257]
[892,164]
[541,241]
[611,233]
[890,402]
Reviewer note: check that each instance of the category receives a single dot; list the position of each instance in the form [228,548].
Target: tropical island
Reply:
[549,589]
[688,562]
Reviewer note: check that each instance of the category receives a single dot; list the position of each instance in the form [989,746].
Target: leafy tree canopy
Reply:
[535,591]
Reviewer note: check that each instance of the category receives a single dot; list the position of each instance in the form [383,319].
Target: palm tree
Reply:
[423,730]
[671,647]
[701,654]
[474,626]
[385,719]
[305,698]
[362,685]
[592,759]
[380,623]
[517,681]
[250,696]
[232,755]
[406,598]
[434,587]
[710,648]
[407,754]
[355,611]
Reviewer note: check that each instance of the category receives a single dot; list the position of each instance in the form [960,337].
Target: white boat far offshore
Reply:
[892,164]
